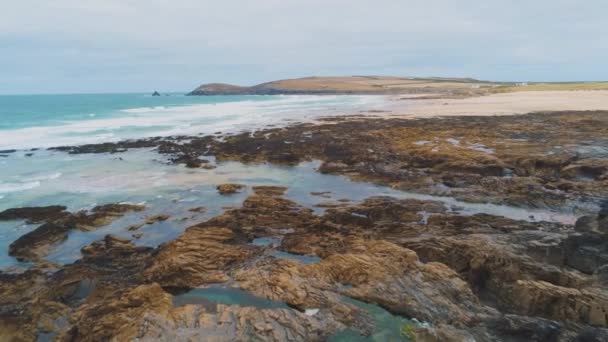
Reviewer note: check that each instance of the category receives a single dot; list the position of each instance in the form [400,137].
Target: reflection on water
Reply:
[387,327]
[593,149]
[225,295]
[274,242]
[266,241]
[144,177]
[303,259]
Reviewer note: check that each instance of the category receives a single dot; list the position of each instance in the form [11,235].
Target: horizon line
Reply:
[290,78]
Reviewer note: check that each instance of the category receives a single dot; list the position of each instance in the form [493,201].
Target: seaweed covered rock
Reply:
[33,246]
[229,188]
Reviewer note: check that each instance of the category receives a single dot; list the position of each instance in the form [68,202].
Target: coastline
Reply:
[445,143]
[136,116]
[473,217]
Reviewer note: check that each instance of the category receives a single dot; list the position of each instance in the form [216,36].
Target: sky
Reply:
[76,46]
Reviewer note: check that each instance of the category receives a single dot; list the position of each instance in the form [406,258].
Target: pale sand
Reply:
[503,104]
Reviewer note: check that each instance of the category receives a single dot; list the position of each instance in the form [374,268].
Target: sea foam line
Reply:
[191,119]
[16,187]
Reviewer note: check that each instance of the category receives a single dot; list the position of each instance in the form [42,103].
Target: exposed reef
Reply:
[57,223]
[553,160]
[229,188]
[476,277]
[440,273]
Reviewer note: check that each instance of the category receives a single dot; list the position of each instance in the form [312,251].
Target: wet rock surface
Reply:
[57,223]
[483,277]
[229,188]
[544,160]
[467,277]
[34,214]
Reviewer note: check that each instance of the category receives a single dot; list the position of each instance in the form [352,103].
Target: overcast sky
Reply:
[134,45]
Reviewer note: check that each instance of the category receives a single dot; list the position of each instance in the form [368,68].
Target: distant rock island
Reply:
[353,85]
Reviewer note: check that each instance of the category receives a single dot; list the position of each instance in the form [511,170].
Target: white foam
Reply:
[422,142]
[16,187]
[311,312]
[480,148]
[453,141]
[143,109]
[43,177]
[192,119]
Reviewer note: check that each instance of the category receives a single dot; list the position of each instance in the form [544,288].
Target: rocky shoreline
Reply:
[551,160]
[467,277]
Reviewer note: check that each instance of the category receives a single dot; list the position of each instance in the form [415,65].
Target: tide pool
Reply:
[142,176]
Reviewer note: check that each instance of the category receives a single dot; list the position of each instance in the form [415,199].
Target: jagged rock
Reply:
[38,242]
[586,170]
[592,335]
[121,317]
[199,256]
[34,245]
[586,223]
[555,302]
[602,219]
[111,247]
[330,204]
[269,190]
[409,287]
[102,215]
[34,214]
[226,189]
[602,274]
[134,227]
[146,313]
[157,218]
[515,328]
[194,163]
[586,252]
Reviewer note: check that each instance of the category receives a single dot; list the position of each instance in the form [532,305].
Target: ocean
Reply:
[35,176]
[39,121]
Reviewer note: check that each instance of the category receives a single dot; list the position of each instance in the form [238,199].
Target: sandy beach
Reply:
[504,104]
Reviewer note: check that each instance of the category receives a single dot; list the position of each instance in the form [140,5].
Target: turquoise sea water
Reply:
[20,111]
[41,177]
[34,121]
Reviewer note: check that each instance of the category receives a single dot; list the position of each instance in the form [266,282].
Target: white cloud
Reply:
[94,44]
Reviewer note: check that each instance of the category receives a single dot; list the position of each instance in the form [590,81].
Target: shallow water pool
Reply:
[225,295]
[387,327]
[144,177]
